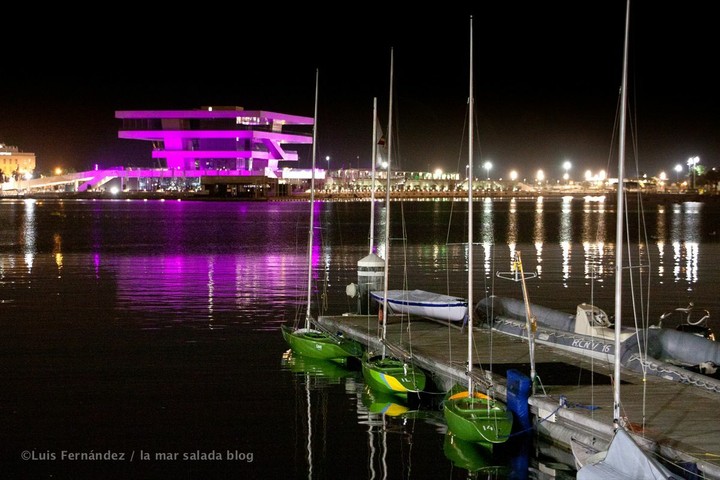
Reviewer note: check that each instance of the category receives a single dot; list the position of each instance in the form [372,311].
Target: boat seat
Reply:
[600,319]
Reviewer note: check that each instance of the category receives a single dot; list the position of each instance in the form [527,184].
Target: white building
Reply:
[14,163]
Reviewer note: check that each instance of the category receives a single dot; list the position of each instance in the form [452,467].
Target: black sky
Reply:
[547,78]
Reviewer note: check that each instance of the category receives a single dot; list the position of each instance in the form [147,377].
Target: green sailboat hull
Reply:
[383,403]
[392,376]
[321,345]
[473,456]
[477,418]
[331,370]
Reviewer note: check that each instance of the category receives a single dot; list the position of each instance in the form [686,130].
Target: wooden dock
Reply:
[573,395]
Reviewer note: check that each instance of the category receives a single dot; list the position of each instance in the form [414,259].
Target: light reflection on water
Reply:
[169,248]
[198,287]
[145,281]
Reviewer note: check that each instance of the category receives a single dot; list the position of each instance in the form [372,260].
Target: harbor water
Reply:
[141,339]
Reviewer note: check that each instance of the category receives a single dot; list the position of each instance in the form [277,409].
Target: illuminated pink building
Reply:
[229,139]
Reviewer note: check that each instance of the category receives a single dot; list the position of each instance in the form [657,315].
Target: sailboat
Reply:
[473,416]
[309,340]
[370,267]
[624,458]
[382,372]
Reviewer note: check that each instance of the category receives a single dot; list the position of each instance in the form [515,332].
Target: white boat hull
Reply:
[424,304]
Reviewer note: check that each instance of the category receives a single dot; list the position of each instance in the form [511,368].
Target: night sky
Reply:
[547,79]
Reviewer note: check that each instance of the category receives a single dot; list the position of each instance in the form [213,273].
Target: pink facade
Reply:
[249,142]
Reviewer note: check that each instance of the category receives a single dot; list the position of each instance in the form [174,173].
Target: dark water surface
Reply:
[140,339]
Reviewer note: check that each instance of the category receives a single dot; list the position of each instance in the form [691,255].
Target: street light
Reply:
[678,169]
[566,167]
[487,166]
[328,160]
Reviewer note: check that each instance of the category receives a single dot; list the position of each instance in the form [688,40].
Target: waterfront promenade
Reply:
[605,196]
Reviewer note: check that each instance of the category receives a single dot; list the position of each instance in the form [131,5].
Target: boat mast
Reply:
[470,220]
[372,185]
[619,224]
[312,205]
[530,320]
[387,209]
[309,429]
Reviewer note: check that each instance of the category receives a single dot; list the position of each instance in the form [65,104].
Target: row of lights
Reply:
[589,176]
[567,165]
[540,176]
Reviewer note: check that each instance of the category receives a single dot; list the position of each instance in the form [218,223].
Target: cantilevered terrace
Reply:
[251,142]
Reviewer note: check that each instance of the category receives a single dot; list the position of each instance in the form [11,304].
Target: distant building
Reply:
[15,164]
[229,139]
